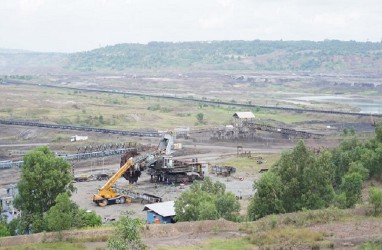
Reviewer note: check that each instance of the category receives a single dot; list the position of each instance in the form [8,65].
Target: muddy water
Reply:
[372,105]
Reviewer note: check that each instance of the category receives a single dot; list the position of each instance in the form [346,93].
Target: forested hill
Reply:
[325,56]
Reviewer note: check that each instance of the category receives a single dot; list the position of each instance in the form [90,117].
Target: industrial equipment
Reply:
[165,169]
[131,169]
[109,195]
[162,168]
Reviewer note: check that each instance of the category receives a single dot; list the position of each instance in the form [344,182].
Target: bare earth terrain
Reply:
[126,112]
[344,235]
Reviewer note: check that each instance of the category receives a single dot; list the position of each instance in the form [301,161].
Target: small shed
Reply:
[164,211]
[241,117]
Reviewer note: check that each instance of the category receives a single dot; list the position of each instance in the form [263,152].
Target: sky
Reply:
[81,25]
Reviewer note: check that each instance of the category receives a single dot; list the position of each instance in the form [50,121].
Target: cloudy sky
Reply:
[77,25]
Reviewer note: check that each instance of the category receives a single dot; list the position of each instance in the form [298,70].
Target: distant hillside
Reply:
[325,56]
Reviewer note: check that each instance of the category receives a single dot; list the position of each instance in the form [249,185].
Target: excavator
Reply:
[107,194]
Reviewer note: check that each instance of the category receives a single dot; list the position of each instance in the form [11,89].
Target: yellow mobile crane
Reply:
[108,195]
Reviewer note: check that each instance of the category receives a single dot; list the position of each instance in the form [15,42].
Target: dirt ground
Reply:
[348,235]
[84,191]
[342,234]
[154,236]
[240,183]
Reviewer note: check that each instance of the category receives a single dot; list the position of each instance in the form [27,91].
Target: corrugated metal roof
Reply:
[244,115]
[164,209]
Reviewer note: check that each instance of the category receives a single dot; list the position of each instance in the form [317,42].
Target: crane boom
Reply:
[118,174]
[108,195]
[130,162]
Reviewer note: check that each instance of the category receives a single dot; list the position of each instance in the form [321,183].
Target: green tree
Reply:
[3,228]
[351,187]
[227,206]
[83,218]
[268,196]
[378,133]
[299,180]
[101,120]
[357,167]
[188,205]
[59,216]
[370,161]
[13,226]
[206,200]
[200,118]
[306,179]
[375,199]
[208,186]
[352,131]
[126,234]
[207,210]
[65,215]
[345,131]
[43,178]
[349,151]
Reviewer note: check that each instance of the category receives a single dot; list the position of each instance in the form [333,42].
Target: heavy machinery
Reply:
[131,169]
[107,194]
[162,168]
[166,169]
[163,157]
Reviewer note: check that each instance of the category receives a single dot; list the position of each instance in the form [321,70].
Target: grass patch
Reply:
[216,244]
[250,163]
[47,246]
[288,236]
[297,219]
[372,245]
[289,230]
[310,217]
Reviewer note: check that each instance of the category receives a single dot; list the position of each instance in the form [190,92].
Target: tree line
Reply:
[302,179]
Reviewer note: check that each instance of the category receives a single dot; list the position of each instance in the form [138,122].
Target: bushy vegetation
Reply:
[126,234]
[302,179]
[375,200]
[206,200]
[65,215]
[4,231]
